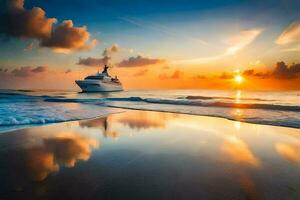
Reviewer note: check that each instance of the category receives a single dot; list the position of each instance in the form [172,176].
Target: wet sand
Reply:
[151,155]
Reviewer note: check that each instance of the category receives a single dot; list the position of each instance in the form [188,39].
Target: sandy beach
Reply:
[151,155]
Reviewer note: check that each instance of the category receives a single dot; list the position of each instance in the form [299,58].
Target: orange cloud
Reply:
[18,22]
[252,73]
[66,38]
[280,71]
[22,23]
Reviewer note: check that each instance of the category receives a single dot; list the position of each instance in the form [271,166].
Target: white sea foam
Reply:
[19,109]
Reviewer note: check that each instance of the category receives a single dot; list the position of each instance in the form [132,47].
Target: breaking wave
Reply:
[25,109]
[186,102]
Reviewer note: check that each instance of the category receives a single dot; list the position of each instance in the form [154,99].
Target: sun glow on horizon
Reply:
[238,79]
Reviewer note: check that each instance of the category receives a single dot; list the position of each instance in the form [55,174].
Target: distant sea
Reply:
[25,108]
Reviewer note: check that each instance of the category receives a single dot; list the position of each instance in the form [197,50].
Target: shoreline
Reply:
[42,108]
[203,115]
[59,122]
[125,109]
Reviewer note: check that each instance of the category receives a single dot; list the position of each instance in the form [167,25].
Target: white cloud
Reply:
[290,35]
[234,43]
[240,41]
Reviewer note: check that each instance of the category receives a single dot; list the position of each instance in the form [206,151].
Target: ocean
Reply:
[91,145]
[26,108]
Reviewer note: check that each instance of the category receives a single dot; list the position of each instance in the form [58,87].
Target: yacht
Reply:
[100,82]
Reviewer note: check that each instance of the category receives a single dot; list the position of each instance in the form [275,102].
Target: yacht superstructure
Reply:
[100,82]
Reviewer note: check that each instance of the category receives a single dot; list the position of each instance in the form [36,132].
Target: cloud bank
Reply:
[280,71]
[94,62]
[27,71]
[138,61]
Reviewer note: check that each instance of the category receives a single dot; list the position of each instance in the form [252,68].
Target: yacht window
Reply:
[94,77]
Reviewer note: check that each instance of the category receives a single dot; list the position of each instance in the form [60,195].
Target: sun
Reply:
[238,79]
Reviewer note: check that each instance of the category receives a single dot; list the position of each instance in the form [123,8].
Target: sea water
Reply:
[20,109]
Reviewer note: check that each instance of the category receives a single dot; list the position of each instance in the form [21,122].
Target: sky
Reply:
[181,44]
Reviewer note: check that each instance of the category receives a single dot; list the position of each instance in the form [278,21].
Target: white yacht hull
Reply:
[98,86]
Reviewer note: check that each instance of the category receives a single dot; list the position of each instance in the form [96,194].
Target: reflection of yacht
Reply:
[100,82]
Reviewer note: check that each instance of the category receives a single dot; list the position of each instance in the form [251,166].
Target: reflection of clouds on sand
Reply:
[94,123]
[40,163]
[135,120]
[144,120]
[239,152]
[103,124]
[111,134]
[63,149]
[248,186]
[290,152]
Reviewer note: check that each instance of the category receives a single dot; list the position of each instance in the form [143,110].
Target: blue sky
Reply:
[198,35]
[154,27]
